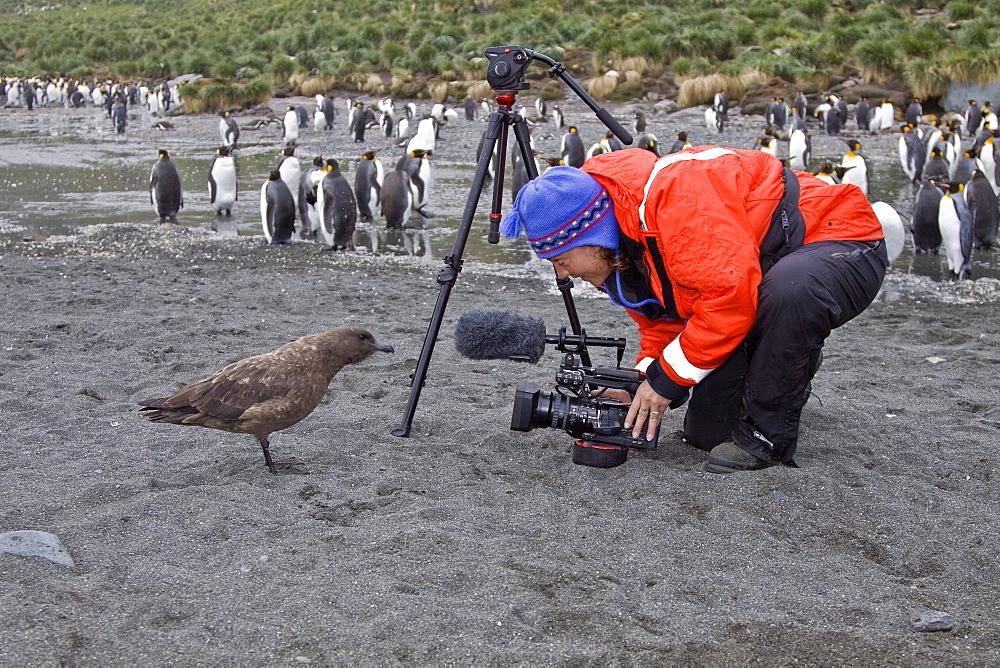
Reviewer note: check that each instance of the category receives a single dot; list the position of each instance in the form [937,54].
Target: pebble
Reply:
[934,620]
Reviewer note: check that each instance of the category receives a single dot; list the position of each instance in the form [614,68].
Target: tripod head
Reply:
[505,75]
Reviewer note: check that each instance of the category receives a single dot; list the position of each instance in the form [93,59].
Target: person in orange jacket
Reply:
[735,270]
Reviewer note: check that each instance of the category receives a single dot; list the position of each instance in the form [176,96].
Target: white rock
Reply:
[36,544]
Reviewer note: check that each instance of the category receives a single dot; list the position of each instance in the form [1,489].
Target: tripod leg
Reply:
[565,285]
[496,129]
[523,138]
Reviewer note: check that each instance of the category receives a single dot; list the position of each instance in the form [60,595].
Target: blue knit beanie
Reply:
[563,208]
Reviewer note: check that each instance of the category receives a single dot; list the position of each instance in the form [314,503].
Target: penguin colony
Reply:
[953,161]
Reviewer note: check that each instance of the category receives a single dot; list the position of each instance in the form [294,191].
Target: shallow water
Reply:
[62,169]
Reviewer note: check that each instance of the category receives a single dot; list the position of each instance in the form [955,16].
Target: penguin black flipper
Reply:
[213,189]
[966,234]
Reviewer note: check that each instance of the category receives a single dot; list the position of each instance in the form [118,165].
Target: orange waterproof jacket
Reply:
[706,211]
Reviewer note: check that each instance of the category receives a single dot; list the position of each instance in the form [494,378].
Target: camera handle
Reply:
[496,133]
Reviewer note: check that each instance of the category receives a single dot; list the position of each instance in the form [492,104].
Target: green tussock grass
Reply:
[311,45]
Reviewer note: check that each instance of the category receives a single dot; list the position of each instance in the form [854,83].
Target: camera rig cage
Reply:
[578,405]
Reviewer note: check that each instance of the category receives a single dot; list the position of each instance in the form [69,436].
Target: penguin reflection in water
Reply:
[277,210]
[165,188]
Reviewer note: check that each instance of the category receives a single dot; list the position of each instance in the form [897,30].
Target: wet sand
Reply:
[466,542]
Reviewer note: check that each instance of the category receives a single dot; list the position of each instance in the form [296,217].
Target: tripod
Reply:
[506,77]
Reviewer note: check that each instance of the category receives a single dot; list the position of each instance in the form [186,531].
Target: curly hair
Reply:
[616,261]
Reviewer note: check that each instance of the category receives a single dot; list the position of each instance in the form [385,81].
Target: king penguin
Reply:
[571,150]
[799,150]
[640,122]
[776,114]
[973,118]
[229,130]
[119,115]
[288,166]
[936,168]
[319,120]
[713,119]
[862,114]
[955,223]
[426,137]
[222,181]
[680,143]
[984,208]
[911,153]
[832,119]
[165,188]
[648,141]
[397,200]
[303,115]
[924,222]
[338,209]
[557,117]
[767,144]
[368,184]
[856,165]
[541,106]
[358,123]
[875,120]
[311,176]
[290,124]
[888,115]
[519,170]
[277,210]
[962,168]
[988,156]
[418,168]
[721,103]
[329,111]
[914,112]
[828,174]
[552,162]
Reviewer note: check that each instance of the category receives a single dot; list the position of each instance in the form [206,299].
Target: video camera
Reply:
[579,408]
[579,405]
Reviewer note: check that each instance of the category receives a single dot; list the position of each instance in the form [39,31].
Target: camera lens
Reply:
[535,407]
[532,407]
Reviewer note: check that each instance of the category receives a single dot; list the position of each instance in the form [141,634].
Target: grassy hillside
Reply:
[359,43]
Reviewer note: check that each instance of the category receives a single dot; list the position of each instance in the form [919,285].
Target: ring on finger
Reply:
[654,412]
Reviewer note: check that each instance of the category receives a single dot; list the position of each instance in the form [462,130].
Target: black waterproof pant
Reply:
[756,396]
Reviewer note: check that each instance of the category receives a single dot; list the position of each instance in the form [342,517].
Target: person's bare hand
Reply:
[647,409]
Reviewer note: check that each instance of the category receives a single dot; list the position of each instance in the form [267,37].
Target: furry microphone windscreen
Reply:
[482,335]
